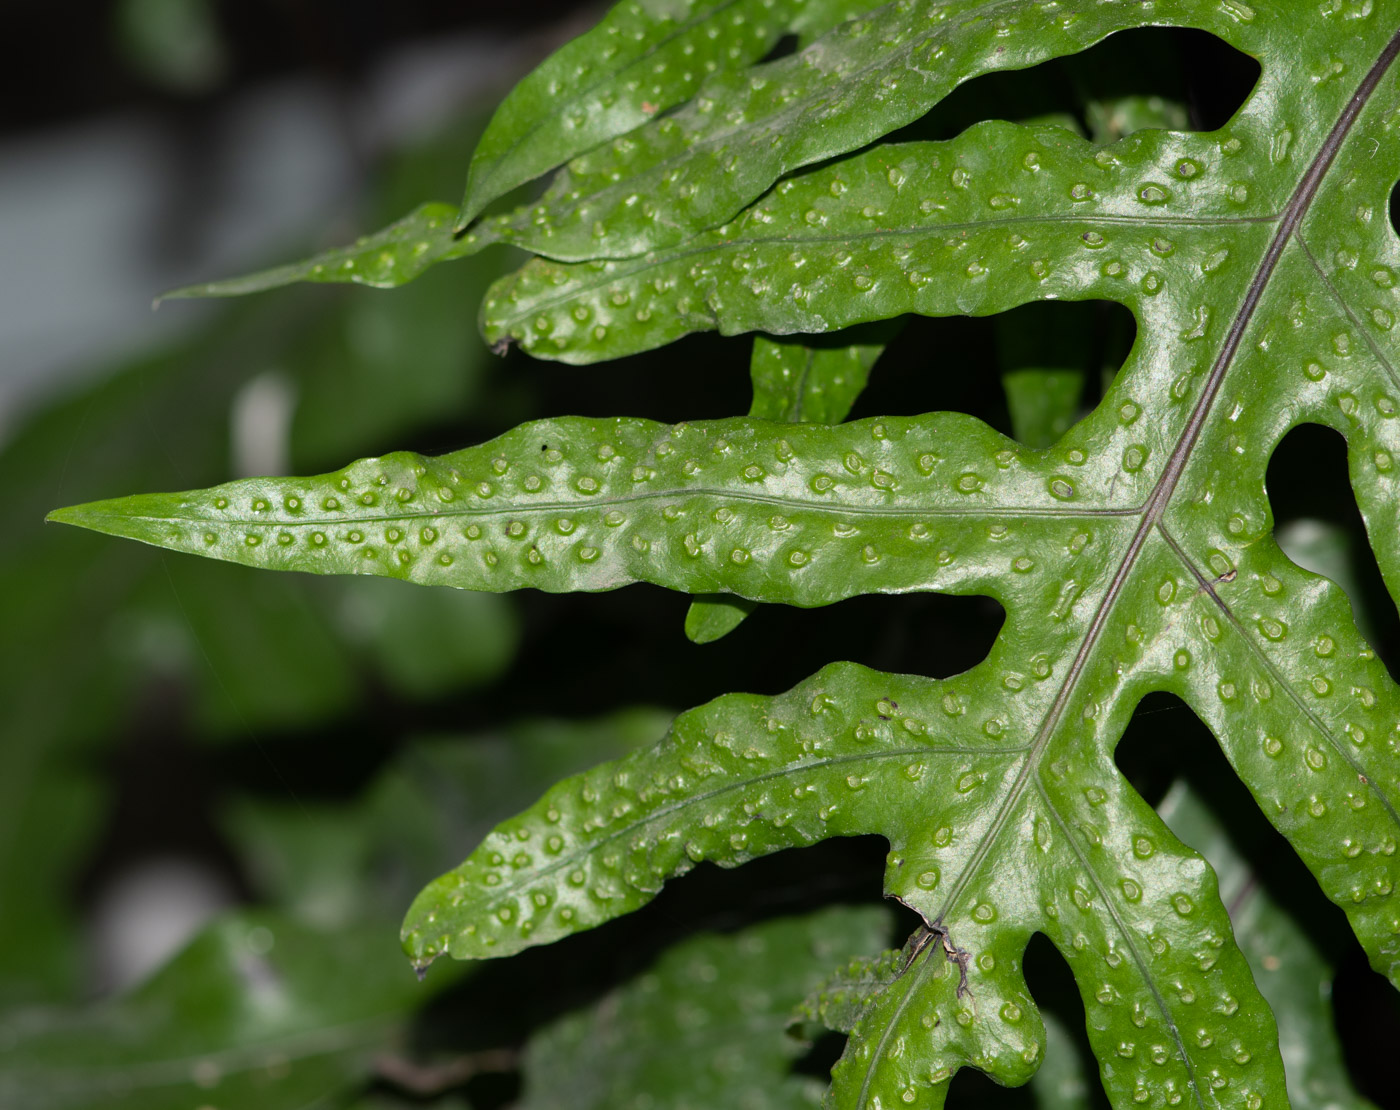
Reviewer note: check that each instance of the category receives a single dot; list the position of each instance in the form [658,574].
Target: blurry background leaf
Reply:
[175,44]
[105,648]
[427,643]
[422,814]
[258,1011]
[706,1026]
[47,815]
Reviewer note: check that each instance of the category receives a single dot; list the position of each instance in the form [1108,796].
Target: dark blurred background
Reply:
[280,761]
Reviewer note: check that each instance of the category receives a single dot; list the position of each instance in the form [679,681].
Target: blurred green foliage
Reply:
[302,998]
[96,632]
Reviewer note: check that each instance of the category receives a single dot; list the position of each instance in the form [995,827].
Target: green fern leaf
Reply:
[1134,555]
[643,59]
[390,257]
[841,1001]
[744,131]
[794,383]
[1293,970]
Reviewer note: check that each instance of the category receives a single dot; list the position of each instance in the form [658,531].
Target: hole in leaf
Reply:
[1166,743]
[1319,527]
[972,1088]
[700,377]
[822,1056]
[1029,372]
[1176,78]
[781,49]
[1367,1014]
[1068,1072]
[1394,208]
[640,629]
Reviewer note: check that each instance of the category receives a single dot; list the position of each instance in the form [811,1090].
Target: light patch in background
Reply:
[146,913]
[1326,548]
[99,217]
[260,426]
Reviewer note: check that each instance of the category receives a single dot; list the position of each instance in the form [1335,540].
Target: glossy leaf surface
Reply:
[1134,555]
[1293,970]
[695,168]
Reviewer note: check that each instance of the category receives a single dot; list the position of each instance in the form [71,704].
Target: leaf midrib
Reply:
[517,509]
[1156,505]
[651,260]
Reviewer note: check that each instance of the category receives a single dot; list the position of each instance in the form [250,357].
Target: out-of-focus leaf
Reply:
[1064,1082]
[47,814]
[429,643]
[175,44]
[90,634]
[1111,119]
[429,807]
[713,616]
[377,366]
[307,859]
[256,659]
[91,631]
[795,383]
[705,1026]
[258,1013]
[1044,358]
[1043,403]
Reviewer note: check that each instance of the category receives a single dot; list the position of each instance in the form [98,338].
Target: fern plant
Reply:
[705,188]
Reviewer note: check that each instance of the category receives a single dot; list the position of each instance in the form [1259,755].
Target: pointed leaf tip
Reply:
[69,514]
[384,259]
